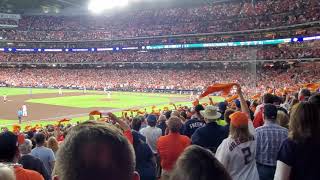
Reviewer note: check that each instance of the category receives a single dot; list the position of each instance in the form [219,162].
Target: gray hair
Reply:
[26,147]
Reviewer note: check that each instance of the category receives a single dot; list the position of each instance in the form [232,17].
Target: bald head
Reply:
[93,151]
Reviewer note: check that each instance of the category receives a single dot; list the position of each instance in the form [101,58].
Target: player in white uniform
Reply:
[237,152]
[60,91]
[84,90]
[5,98]
[24,110]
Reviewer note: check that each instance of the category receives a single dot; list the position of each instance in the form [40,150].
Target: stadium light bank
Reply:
[98,6]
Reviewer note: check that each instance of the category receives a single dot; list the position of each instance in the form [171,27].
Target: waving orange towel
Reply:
[224,88]
[234,97]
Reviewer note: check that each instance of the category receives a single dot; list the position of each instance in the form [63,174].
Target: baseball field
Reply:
[47,106]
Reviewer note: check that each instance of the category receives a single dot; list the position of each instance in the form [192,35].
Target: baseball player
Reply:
[5,98]
[24,110]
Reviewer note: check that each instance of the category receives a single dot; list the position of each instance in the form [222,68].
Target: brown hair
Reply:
[53,144]
[304,122]
[283,119]
[240,133]
[197,163]
[227,113]
[95,150]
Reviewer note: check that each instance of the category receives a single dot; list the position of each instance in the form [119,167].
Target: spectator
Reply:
[283,119]
[46,155]
[315,99]
[237,152]
[197,163]
[30,162]
[162,124]
[258,115]
[227,114]
[152,133]
[303,141]
[6,173]
[94,150]
[269,138]
[211,135]
[196,122]
[53,144]
[145,159]
[9,154]
[171,146]
[304,95]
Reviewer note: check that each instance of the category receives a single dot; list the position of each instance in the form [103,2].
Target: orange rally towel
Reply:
[234,97]
[224,88]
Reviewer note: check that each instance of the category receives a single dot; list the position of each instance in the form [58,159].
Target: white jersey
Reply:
[239,158]
[24,110]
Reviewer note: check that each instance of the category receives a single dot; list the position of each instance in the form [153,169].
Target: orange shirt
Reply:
[24,174]
[170,147]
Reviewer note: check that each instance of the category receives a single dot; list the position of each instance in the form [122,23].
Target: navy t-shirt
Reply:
[191,126]
[303,158]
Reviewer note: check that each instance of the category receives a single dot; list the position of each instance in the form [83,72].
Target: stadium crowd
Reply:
[216,17]
[272,138]
[280,52]
[168,79]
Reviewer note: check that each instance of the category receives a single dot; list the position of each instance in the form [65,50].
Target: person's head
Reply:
[183,114]
[304,95]
[40,139]
[237,103]
[283,119]
[95,150]
[270,112]
[152,120]
[136,123]
[304,122]
[227,114]
[26,147]
[197,163]
[198,108]
[168,114]
[6,172]
[174,124]
[53,144]
[268,98]
[9,151]
[210,114]
[162,118]
[222,106]
[239,126]
[315,99]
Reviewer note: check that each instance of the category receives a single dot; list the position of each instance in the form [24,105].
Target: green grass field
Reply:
[120,100]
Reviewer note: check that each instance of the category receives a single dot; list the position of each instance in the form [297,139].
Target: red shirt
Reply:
[258,119]
[128,135]
[170,147]
[24,174]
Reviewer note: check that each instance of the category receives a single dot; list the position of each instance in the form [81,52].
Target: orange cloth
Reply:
[239,119]
[24,174]
[128,135]
[225,88]
[170,147]
[196,102]
[256,97]
[234,97]
[313,86]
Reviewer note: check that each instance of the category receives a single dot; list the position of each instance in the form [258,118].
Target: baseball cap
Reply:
[270,111]
[151,118]
[8,145]
[237,102]
[239,119]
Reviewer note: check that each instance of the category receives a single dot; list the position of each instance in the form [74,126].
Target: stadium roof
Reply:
[64,6]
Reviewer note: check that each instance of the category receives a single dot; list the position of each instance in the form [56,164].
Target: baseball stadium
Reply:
[159,89]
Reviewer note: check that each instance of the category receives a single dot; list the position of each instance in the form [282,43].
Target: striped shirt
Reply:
[269,139]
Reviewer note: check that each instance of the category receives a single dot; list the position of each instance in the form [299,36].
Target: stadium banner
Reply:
[10,16]
[171,46]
